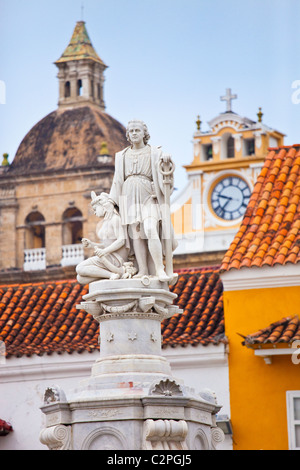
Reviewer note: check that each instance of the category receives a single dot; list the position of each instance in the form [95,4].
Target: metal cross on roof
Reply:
[228,98]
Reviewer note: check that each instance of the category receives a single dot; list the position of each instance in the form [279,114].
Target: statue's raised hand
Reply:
[166,158]
[86,242]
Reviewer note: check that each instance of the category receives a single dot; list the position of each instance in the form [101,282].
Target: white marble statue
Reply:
[111,254]
[141,188]
[131,399]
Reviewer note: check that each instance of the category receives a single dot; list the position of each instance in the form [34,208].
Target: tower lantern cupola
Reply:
[80,72]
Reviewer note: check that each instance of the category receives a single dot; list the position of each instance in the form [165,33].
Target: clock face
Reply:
[230,197]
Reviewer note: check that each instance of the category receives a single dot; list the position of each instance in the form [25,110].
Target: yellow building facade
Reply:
[261,278]
[259,379]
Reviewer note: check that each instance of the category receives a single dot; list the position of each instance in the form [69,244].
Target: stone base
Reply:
[131,401]
[127,418]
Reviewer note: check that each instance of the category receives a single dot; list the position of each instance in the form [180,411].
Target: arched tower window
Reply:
[35,230]
[249,147]
[72,226]
[92,89]
[67,90]
[207,152]
[227,146]
[230,147]
[79,87]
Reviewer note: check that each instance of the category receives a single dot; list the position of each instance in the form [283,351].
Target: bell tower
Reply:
[227,160]
[80,72]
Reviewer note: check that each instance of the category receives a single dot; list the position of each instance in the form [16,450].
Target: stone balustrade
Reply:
[34,259]
[72,254]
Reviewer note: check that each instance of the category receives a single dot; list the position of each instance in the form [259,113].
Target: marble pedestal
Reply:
[131,401]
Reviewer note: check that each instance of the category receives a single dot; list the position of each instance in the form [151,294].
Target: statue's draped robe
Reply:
[144,196]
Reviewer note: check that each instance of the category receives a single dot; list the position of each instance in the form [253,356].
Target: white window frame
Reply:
[291,421]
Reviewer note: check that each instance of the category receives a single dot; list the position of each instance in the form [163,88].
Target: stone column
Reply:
[8,232]
[131,401]
[73,80]
[61,85]
[53,243]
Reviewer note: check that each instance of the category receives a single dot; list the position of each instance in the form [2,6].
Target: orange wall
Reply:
[258,390]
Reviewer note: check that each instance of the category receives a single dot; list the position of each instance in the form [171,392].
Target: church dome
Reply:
[76,133]
[68,139]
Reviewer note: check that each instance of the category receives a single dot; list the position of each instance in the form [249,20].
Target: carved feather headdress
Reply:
[101,198]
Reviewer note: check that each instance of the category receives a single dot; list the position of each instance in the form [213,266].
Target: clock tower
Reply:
[227,160]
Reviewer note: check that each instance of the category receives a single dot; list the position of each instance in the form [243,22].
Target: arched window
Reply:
[35,230]
[72,226]
[72,248]
[207,152]
[92,89]
[35,251]
[249,147]
[79,87]
[227,146]
[230,147]
[67,90]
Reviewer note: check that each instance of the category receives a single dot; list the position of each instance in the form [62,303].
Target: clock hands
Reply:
[229,198]
[226,203]
[221,209]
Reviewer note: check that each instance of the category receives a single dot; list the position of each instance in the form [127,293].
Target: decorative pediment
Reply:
[232,120]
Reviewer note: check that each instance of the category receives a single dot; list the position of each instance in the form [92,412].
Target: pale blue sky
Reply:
[169,60]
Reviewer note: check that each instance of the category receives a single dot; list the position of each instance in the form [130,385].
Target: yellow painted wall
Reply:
[182,218]
[258,390]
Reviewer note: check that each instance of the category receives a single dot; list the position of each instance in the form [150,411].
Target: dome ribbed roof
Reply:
[68,139]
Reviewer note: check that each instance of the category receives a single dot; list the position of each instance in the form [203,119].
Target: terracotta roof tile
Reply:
[270,231]
[285,330]
[200,295]
[37,318]
[42,318]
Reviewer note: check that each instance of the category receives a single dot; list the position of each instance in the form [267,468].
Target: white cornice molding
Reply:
[65,366]
[55,366]
[195,357]
[261,278]
[267,354]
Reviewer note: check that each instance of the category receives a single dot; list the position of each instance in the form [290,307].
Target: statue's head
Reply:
[100,203]
[140,124]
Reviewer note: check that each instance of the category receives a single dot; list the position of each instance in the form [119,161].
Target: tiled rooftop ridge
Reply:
[42,318]
[270,230]
[200,296]
[285,330]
